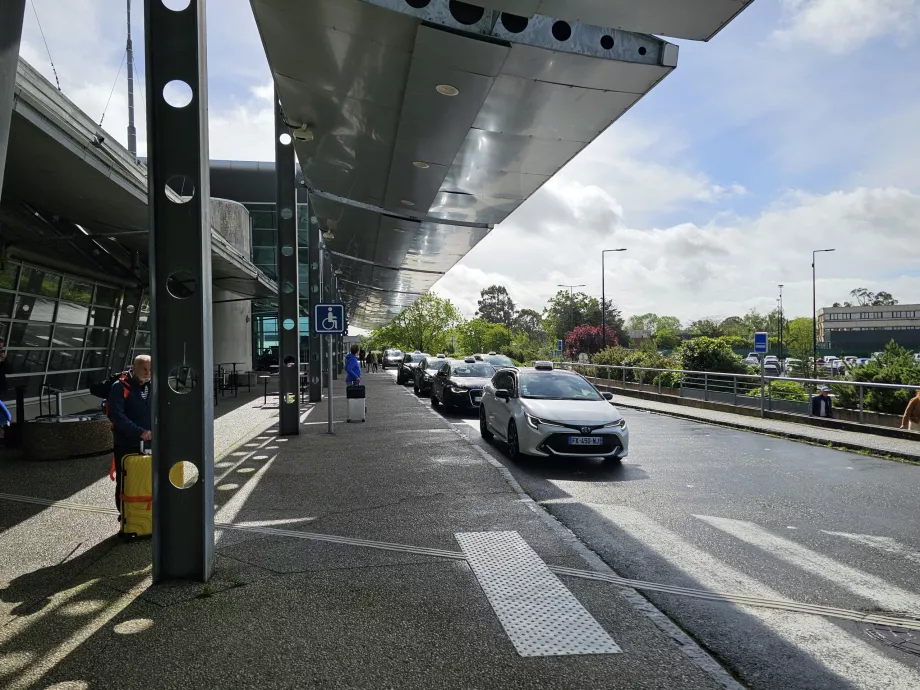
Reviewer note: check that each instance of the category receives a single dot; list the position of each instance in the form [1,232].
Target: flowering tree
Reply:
[587,339]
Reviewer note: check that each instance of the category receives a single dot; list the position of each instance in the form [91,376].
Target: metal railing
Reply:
[739,390]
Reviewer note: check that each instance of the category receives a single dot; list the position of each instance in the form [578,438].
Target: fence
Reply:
[739,390]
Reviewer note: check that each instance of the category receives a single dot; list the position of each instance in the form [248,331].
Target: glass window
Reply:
[107,296]
[503,381]
[32,385]
[94,358]
[263,256]
[557,386]
[7,300]
[100,316]
[263,237]
[29,335]
[65,360]
[64,382]
[77,291]
[99,337]
[37,282]
[72,313]
[479,370]
[142,339]
[9,275]
[69,336]
[34,309]
[26,361]
[263,218]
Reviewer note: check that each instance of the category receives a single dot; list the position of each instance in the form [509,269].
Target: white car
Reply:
[544,412]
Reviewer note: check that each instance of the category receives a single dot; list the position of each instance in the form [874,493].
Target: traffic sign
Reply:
[761,341]
[329,319]
[558,346]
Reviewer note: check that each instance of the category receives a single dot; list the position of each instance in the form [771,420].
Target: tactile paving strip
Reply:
[540,616]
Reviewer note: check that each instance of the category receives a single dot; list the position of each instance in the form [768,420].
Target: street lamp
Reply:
[814,309]
[571,300]
[604,298]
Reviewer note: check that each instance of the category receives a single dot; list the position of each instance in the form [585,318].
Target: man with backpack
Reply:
[128,407]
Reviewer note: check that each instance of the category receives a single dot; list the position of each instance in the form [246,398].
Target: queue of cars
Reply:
[537,411]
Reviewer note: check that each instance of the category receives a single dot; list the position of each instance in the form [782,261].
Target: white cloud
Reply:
[842,26]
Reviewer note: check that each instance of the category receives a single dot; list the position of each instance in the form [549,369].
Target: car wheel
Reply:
[484,425]
[434,399]
[416,388]
[514,446]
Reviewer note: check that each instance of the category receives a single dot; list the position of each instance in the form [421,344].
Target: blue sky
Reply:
[794,129]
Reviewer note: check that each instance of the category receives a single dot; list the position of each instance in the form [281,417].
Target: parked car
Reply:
[771,365]
[496,360]
[542,411]
[863,360]
[459,383]
[391,358]
[425,373]
[406,371]
[793,366]
[752,359]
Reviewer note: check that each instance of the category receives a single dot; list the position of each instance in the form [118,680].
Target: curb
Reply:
[792,436]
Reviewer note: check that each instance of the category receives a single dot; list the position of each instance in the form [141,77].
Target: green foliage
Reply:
[621,356]
[706,328]
[480,335]
[709,354]
[564,311]
[496,305]
[735,342]
[895,365]
[667,339]
[783,390]
[654,323]
[529,322]
[424,326]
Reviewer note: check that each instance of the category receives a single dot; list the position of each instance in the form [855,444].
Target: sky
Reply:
[794,129]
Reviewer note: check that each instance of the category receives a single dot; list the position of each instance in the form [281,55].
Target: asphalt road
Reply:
[728,511]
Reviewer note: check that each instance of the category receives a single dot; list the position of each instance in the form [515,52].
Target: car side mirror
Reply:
[607,396]
[442,374]
[503,394]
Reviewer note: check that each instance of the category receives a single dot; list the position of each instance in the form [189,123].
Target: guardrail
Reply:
[734,389]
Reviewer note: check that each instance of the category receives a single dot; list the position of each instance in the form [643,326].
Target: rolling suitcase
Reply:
[137,494]
[357,404]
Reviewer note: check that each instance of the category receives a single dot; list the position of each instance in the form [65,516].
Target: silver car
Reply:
[543,412]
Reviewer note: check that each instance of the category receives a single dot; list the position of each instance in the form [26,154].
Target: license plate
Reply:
[476,396]
[586,441]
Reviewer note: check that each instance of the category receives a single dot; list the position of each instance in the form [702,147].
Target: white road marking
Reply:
[272,523]
[846,655]
[871,587]
[886,544]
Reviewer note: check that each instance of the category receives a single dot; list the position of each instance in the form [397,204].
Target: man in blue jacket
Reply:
[352,367]
[822,405]
[129,402]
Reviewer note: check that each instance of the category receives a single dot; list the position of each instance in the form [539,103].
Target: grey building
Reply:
[863,329]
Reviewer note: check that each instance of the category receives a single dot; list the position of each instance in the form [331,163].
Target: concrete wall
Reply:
[232,330]
[231,220]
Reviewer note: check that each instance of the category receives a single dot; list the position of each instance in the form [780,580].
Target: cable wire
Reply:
[112,92]
[50,59]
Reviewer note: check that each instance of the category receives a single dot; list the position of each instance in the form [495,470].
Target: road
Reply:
[734,512]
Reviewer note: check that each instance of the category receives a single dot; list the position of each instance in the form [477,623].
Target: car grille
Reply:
[559,443]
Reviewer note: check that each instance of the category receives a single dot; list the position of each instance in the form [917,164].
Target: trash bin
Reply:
[357,407]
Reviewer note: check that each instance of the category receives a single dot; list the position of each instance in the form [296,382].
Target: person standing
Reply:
[362,356]
[352,367]
[129,403]
[822,405]
[911,418]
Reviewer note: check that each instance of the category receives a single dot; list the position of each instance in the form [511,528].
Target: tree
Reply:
[496,306]
[563,312]
[895,365]
[424,326]
[667,339]
[733,325]
[480,335]
[653,323]
[529,322]
[706,328]
[709,354]
[586,339]
[866,298]
[884,299]
[799,341]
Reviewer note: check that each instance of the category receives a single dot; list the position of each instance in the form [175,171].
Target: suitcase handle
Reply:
[144,449]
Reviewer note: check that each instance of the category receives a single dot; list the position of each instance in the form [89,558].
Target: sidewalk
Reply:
[313,587]
[850,440]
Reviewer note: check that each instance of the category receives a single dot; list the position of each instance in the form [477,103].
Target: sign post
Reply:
[761,343]
[559,344]
[329,319]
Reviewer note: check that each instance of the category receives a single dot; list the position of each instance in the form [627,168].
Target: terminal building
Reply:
[862,330]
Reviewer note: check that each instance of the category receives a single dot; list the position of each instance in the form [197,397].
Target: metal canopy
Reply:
[415,110]
[59,176]
[697,20]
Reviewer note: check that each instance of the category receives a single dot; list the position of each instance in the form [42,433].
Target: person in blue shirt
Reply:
[352,367]
[129,402]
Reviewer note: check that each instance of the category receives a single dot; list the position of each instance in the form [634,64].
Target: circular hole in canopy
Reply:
[464,12]
[287,213]
[181,284]
[643,50]
[183,475]
[288,324]
[181,185]
[515,24]
[418,4]
[285,139]
[176,5]
[177,93]
[130,308]
[562,31]
[182,380]
[287,250]
[288,287]
[607,42]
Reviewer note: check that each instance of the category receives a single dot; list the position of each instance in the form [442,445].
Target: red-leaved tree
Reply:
[587,339]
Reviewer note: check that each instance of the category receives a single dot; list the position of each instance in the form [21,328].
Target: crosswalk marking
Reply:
[838,651]
[886,544]
[872,587]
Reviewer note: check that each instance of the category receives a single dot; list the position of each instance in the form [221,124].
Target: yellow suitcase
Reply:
[137,494]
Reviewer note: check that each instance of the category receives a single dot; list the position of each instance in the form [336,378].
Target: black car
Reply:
[391,358]
[458,384]
[406,371]
[425,372]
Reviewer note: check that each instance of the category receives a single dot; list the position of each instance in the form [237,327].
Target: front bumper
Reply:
[554,442]
[468,399]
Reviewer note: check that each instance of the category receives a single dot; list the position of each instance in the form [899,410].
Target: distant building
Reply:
[861,329]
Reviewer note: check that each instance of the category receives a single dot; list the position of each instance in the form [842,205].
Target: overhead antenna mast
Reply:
[132,131]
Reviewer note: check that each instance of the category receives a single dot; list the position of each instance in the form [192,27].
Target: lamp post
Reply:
[604,298]
[814,310]
[571,300]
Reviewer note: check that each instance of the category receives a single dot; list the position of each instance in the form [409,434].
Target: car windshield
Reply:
[499,361]
[416,357]
[478,370]
[394,353]
[556,386]
[434,364]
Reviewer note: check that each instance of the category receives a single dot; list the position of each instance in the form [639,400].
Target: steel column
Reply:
[127,328]
[314,277]
[288,279]
[11,16]
[180,269]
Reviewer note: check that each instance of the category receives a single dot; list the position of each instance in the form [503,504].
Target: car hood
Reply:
[411,365]
[469,382]
[572,412]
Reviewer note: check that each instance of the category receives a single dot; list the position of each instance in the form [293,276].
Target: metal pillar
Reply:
[11,15]
[127,328]
[314,282]
[129,52]
[288,278]
[180,269]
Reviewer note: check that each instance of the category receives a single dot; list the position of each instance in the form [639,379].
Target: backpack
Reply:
[101,388]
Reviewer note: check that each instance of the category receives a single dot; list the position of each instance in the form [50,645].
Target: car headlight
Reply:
[620,423]
[457,389]
[426,377]
[534,422]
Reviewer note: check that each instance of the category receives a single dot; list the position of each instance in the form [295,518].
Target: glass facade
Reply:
[58,329]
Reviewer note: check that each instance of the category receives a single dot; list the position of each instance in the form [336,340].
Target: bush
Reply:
[710,354]
[896,365]
[651,359]
[783,390]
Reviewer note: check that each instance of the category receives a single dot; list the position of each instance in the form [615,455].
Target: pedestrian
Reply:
[822,405]
[352,367]
[362,356]
[370,362]
[911,418]
[375,358]
[129,402]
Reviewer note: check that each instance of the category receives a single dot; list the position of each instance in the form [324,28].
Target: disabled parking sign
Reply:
[329,319]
